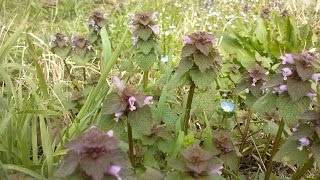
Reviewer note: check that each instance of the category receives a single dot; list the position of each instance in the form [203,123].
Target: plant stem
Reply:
[264,153]
[245,133]
[302,170]
[130,141]
[84,74]
[188,108]
[145,79]
[274,150]
[71,76]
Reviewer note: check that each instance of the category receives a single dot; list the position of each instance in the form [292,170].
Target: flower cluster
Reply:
[223,141]
[126,100]
[97,154]
[59,40]
[80,45]
[97,20]
[142,26]
[198,162]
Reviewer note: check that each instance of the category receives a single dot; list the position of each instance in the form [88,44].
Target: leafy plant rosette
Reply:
[144,31]
[96,22]
[201,58]
[95,155]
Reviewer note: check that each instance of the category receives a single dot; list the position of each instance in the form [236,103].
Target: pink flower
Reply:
[154,15]
[118,83]
[155,29]
[114,170]
[110,133]
[312,94]
[280,89]
[131,101]
[286,72]
[132,27]
[147,100]
[316,77]
[187,40]
[303,142]
[134,40]
[118,115]
[217,169]
[288,58]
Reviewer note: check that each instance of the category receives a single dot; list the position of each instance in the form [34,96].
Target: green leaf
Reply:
[261,33]
[204,101]
[184,66]
[145,46]
[298,89]
[143,33]
[146,61]
[271,128]
[68,165]
[108,122]
[231,160]
[202,61]
[113,104]
[289,154]
[274,81]
[202,80]
[3,172]
[141,121]
[315,149]
[290,110]
[265,103]
[187,50]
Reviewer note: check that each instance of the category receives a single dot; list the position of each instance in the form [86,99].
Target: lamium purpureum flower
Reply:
[201,40]
[303,142]
[59,40]
[287,58]
[257,74]
[227,106]
[129,100]
[80,45]
[280,89]
[217,169]
[97,20]
[142,21]
[223,141]
[97,154]
[316,77]
[286,72]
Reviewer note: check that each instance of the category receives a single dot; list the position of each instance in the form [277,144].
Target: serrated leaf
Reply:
[145,46]
[298,89]
[304,72]
[230,160]
[68,165]
[141,121]
[146,61]
[315,149]
[261,33]
[151,172]
[288,153]
[204,101]
[265,103]
[202,80]
[204,48]
[112,104]
[274,81]
[143,33]
[108,122]
[271,128]
[290,110]
[187,50]
[95,167]
[202,61]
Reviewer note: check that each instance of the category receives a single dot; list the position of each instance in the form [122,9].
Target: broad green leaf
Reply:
[274,81]
[113,104]
[202,80]
[270,128]
[230,160]
[141,121]
[298,89]
[204,101]
[202,61]
[187,50]
[145,46]
[144,33]
[146,61]
[265,103]
[315,149]
[290,110]
[289,154]
[261,33]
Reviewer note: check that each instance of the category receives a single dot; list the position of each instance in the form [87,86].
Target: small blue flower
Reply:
[227,106]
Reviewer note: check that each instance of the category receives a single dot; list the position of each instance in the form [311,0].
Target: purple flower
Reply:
[118,83]
[154,15]
[312,94]
[280,89]
[114,171]
[288,58]
[118,115]
[316,77]
[131,101]
[147,100]
[110,133]
[286,72]
[155,28]
[303,142]
[132,27]
[187,40]
[254,81]
[217,169]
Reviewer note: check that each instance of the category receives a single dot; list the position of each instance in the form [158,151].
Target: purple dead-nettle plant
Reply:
[197,162]
[97,20]
[223,142]
[95,154]
[80,45]
[60,45]
[201,60]
[144,37]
